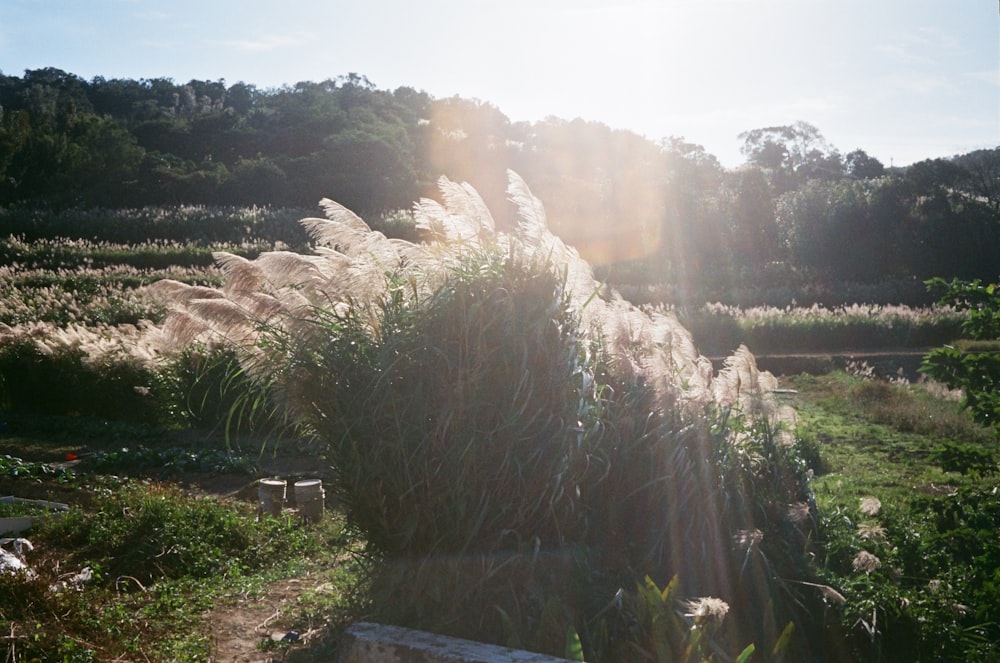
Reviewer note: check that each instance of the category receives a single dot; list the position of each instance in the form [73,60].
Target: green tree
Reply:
[861,165]
[956,223]
[694,252]
[754,231]
[846,230]
[791,153]
[983,179]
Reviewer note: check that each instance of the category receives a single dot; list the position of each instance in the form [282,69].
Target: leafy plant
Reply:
[965,459]
[132,575]
[976,373]
[162,463]
[14,467]
[511,441]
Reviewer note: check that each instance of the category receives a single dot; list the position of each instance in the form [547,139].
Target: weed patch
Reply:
[133,576]
[918,572]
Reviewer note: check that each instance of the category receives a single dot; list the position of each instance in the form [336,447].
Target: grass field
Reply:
[907,523]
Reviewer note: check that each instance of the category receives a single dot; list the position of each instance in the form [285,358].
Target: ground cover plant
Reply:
[132,574]
[905,487]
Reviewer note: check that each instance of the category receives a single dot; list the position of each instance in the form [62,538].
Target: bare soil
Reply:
[257,629]
[245,632]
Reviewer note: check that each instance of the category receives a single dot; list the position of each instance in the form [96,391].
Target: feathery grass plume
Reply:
[871,531]
[532,222]
[870,506]
[286,269]
[707,607]
[484,394]
[832,595]
[748,539]
[351,241]
[170,290]
[242,274]
[740,384]
[336,212]
[463,202]
[181,329]
[226,318]
[866,562]
[798,512]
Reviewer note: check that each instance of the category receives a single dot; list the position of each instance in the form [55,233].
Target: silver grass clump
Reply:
[97,344]
[462,218]
[349,269]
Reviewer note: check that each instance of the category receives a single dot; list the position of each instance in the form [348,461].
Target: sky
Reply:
[905,80]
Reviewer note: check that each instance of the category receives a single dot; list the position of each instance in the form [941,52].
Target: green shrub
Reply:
[920,580]
[519,451]
[156,531]
[976,370]
[965,458]
[158,559]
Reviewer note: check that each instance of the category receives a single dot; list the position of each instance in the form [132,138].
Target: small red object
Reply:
[71,456]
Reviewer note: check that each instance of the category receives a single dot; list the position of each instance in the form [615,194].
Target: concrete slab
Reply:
[365,642]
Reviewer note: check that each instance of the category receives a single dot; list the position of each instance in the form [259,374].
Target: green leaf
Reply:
[746,653]
[574,648]
[783,639]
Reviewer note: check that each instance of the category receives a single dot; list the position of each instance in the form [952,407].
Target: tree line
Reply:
[798,210]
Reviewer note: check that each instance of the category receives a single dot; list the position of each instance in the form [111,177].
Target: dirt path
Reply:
[239,629]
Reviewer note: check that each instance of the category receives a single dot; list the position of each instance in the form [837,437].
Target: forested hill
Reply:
[798,208]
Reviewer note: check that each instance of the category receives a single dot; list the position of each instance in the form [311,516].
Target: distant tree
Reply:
[957,226]
[753,229]
[844,230]
[862,166]
[694,251]
[935,176]
[983,179]
[242,98]
[791,153]
[786,146]
[370,168]
[92,160]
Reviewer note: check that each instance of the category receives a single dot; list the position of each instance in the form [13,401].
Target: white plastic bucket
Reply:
[271,496]
[310,497]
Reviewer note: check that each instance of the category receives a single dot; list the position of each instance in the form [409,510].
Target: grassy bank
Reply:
[905,487]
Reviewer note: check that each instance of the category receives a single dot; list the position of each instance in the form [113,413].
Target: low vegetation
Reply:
[501,429]
[796,329]
[130,571]
[905,487]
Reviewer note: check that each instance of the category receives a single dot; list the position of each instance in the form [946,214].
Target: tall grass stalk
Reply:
[499,423]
